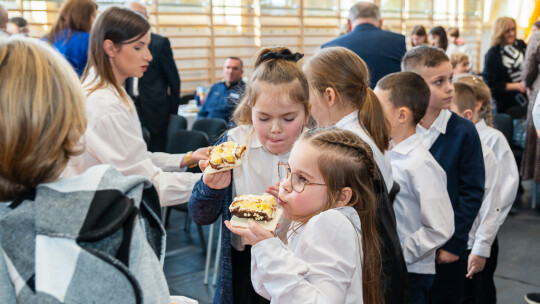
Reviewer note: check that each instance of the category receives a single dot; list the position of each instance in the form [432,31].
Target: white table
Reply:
[190,116]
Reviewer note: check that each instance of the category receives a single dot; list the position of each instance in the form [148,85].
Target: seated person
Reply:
[225,95]
[88,238]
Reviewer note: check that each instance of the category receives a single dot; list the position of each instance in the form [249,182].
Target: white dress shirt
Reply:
[429,136]
[486,225]
[321,264]
[508,170]
[259,170]
[114,136]
[351,123]
[424,214]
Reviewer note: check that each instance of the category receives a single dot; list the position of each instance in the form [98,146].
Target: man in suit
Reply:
[158,89]
[381,50]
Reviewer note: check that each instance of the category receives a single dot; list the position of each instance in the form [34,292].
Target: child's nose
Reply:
[286,184]
[276,128]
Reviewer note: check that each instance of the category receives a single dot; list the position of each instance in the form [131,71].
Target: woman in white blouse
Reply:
[119,49]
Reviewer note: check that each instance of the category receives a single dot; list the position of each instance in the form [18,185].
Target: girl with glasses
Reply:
[270,118]
[333,253]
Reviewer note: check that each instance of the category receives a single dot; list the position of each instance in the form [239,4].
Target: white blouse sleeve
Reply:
[167,162]
[490,211]
[436,212]
[113,140]
[508,175]
[319,271]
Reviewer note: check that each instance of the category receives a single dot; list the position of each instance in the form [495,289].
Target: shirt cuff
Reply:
[481,250]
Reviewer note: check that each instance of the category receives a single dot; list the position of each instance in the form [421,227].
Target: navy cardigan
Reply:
[459,153]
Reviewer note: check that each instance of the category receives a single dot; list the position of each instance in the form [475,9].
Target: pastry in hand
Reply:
[225,156]
[261,208]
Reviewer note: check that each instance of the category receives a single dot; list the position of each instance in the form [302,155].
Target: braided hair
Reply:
[345,160]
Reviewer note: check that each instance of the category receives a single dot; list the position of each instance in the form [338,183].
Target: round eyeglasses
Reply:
[298,183]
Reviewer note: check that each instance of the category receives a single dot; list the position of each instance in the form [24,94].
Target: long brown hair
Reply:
[419,30]
[121,26]
[347,74]
[74,15]
[272,71]
[344,160]
[502,25]
[40,127]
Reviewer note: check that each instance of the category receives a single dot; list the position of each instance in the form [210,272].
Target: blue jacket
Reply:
[381,50]
[221,100]
[459,153]
[74,49]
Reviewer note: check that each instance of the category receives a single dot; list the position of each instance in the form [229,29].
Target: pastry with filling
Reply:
[225,156]
[261,208]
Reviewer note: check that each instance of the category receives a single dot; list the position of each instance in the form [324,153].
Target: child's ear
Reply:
[344,197]
[478,105]
[468,114]
[110,48]
[403,115]
[330,97]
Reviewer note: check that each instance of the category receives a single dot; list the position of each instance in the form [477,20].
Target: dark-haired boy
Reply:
[422,206]
[480,268]
[454,143]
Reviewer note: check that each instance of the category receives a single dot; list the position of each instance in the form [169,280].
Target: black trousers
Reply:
[243,292]
[449,282]
[481,288]
[419,287]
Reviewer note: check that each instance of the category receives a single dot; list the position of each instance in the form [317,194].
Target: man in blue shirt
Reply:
[223,96]
[381,50]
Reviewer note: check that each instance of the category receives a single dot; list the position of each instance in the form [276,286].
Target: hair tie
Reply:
[277,55]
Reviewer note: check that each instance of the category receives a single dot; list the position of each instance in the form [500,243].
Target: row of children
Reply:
[341,244]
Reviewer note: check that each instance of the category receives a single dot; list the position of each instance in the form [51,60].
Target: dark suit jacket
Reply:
[159,88]
[381,50]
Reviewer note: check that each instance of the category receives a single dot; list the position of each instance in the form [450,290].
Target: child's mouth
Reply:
[280,202]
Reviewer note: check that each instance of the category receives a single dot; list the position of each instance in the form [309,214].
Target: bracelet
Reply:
[189,161]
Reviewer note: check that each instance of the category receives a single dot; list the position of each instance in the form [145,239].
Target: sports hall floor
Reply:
[518,270]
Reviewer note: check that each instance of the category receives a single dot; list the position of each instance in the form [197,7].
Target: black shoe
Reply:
[533,298]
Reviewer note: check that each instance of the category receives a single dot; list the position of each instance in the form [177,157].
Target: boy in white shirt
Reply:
[454,143]
[423,210]
[486,225]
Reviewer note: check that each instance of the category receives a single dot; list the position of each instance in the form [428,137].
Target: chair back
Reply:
[213,127]
[182,141]
[176,122]
[504,123]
